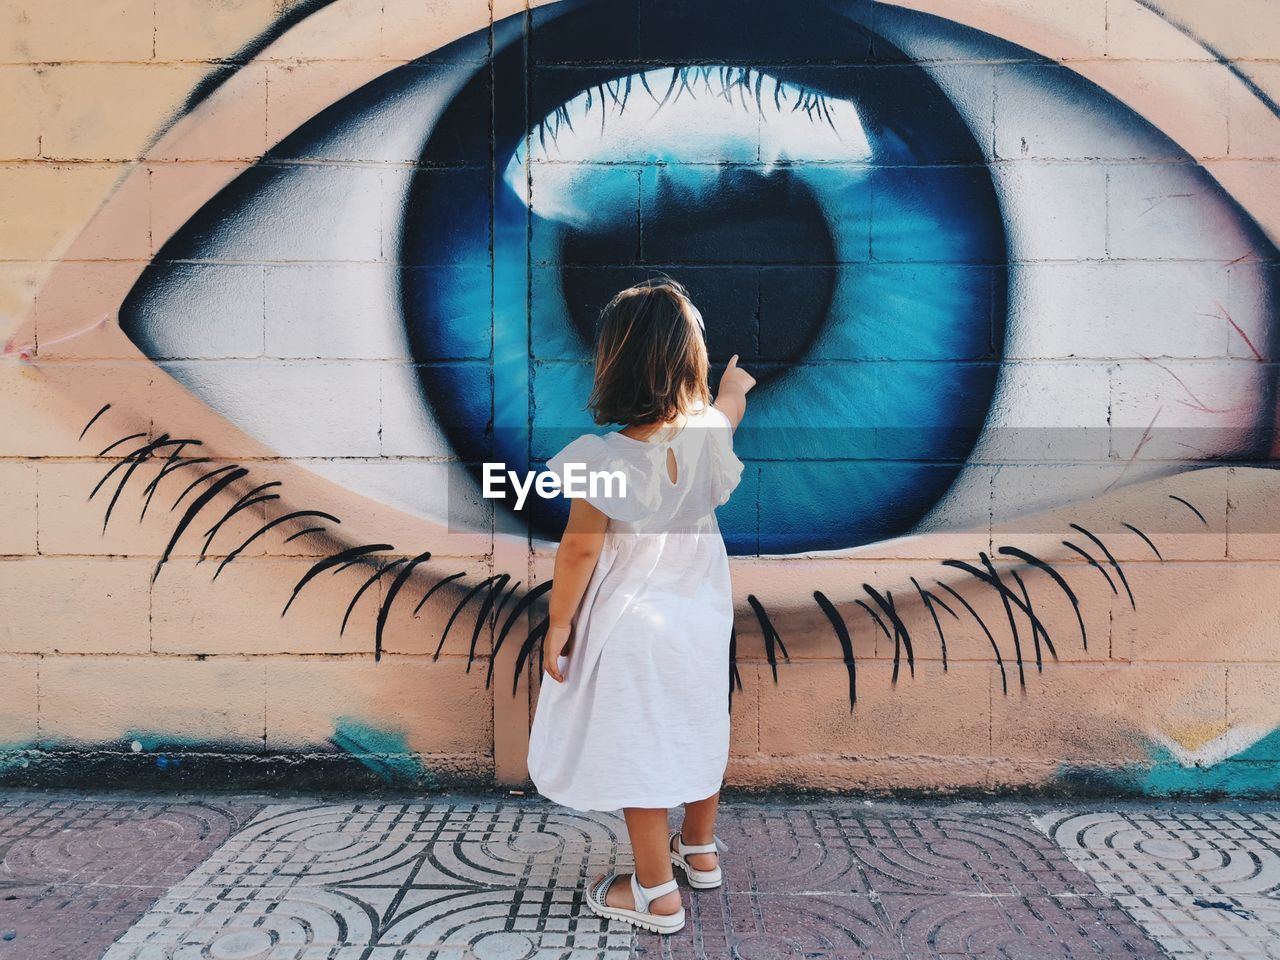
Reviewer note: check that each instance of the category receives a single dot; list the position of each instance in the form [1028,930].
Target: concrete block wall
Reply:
[277,277]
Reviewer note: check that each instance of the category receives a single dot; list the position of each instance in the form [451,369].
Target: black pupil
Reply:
[727,240]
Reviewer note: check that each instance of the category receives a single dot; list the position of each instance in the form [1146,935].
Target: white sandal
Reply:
[643,896]
[698,879]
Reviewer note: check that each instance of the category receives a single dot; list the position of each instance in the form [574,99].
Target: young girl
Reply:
[633,710]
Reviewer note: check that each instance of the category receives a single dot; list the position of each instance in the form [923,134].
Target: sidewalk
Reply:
[493,877]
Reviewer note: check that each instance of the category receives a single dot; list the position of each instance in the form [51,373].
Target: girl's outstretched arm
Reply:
[731,398]
[575,561]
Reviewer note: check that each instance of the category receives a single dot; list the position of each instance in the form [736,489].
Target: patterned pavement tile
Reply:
[485,880]
[75,873]
[503,881]
[482,878]
[765,926]
[849,849]
[943,852]
[1202,882]
[1015,928]
[779,850]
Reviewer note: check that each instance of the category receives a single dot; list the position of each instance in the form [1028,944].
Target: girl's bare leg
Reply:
[648,829]
[699,827]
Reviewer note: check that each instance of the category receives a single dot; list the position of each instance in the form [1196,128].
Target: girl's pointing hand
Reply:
[731,399]
[734,377]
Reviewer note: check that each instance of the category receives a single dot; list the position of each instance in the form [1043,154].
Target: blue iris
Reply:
[836,225]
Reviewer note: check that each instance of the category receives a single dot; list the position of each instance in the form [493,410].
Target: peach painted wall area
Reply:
[1127,637]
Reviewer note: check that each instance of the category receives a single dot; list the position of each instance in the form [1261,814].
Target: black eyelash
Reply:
[293,14]
[293,515]
[523,604]
[1024,604]
[1014,603]
[618,92]
[1093,563]
[534,639]
[499,583]
[1145,538]
[202,478]
[134,460]
[771,636]
[94,419]
[499,590]
[1038,629]
[172,465]
[846,644]
[1057,578]
[303,532]
[363,587]
[385,609]
[929,600]
[111,446]
[352,563]
[226,474]
[195,508]
[901,635]
[1190,507]
[494,583]
[734,675]
[219,479]
[992,579]
[1008,600]
[506,598]
[247,500]
[874,616]
[426,596]
[1110,559]
[1004,680]
[343,557]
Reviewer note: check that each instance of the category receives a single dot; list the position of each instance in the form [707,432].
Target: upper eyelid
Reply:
[243,90]
[237,108]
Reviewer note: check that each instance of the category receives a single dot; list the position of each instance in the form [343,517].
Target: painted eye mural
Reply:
[1013,343]
[843,224]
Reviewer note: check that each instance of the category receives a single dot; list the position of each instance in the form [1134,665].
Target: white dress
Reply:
[642,718]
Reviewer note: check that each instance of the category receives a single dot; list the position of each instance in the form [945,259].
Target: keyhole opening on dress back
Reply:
[672,471]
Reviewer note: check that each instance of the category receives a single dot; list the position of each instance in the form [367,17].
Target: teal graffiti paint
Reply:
[385,752]
[1253,772]
[15,756]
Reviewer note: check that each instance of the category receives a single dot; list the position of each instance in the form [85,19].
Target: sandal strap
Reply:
[697,847]
[602,891]
[694,847]
[645,895]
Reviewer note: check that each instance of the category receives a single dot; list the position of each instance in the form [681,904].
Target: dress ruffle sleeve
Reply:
[630,503]
[726,467]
